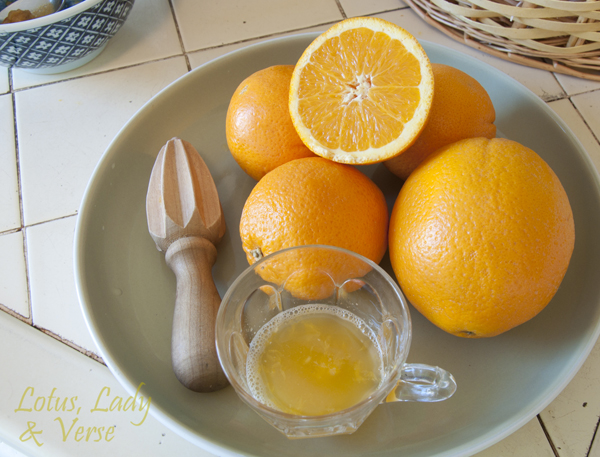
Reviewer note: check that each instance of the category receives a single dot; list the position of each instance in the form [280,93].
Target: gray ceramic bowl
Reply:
[64,40]
[127,291]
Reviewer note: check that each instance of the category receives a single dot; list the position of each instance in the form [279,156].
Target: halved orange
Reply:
[361,91]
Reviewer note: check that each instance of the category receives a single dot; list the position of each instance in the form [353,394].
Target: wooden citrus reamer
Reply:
[186,221]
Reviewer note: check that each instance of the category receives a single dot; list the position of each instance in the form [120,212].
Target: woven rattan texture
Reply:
[556,35]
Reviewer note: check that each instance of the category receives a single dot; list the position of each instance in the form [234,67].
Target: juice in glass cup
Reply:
[313,360]
[313,370]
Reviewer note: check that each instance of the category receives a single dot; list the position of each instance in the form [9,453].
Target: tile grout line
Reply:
[34,224]
[71,344]
[564,92]
[548,437]
[593,438]
[179,36]
[27,281]
[51,334]
[29,319]
[23,229]
[569,98]
[10,231]
[341,8]
[16,315]
[101,72]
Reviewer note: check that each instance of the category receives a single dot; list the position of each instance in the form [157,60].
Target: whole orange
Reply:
[314,201]
[481,236]
[258,127]
[461,109]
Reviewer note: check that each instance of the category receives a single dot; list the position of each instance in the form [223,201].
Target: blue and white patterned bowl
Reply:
[64,40]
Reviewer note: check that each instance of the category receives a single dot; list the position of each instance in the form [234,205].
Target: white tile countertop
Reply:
[53,131]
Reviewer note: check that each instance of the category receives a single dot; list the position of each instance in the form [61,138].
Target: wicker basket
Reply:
[556,35]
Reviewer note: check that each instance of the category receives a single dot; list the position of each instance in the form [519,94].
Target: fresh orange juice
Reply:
[314,360]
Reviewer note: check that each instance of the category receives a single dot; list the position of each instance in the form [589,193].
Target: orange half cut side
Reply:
[361,92]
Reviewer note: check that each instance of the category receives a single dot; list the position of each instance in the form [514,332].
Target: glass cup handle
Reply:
[423,383]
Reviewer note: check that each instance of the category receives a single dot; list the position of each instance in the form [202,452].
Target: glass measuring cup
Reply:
[330,277]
